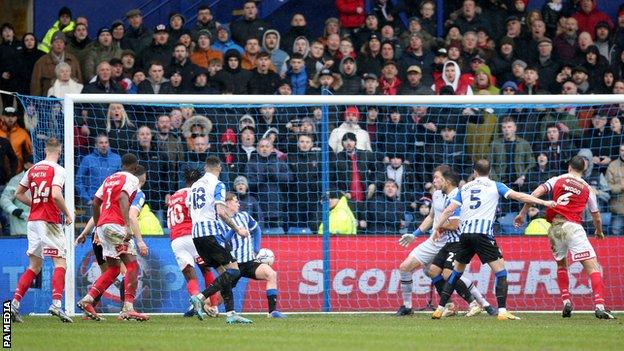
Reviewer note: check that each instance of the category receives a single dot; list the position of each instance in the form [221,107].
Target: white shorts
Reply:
[426,251]
[185,252]
[45,239]
[111,238]
[570,237]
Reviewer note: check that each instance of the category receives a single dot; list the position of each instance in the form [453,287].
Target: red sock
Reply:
[209,279]
[597,288]
[193,287]
[58,283]
[564,283]
[24,283]
[131,281]
[104,281]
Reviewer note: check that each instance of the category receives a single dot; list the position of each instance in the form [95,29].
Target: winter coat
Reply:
[96,54]
[202,58]
[523,159]
[43,73]
[335,138]
[227,45]
[268,178]
[243,29]
[138,39]
[341,171]
[20,142]
[92,171]
[146,87]
[461,85]
[59,89]
[154,53]
[384,215]
[341,219]
[298,81]
[587,21]
[615,179]
[263,84]
[278,56]
[98,88]
[46,42]
[9,203]
[233,81]
[347,13]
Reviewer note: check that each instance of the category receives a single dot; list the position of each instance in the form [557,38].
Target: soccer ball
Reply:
[265,256]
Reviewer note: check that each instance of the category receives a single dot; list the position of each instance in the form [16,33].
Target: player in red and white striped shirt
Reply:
[566,233]
[180,228]
[45,181]
[115,229]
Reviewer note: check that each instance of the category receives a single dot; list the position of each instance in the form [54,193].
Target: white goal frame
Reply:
[378,100]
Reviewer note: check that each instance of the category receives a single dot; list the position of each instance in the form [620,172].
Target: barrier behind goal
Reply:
[398,138]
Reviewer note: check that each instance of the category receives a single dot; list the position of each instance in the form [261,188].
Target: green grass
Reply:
[324,332]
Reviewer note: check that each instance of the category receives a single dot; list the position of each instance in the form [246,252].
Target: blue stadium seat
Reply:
[273,231]
[299,230]
[507,227]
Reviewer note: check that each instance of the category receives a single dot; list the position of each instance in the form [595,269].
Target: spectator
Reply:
[371,26]
[117,75]
[16,211]
[227,151]
[530,84]
[205,21]
[469,20]
[269,119]
[385,211]
[500,64]
[558,149]
[138,35]
[248,60]
[182,64]
[8,161]
[249,26]
[119,129]
[263,81]
[389,81]
[597,139]
[305,167]
[350,125]
[332,26]
[297,74]
[529,51]
[118,31]
[64,84]
[596,65]
[9,62]
[298,28]
[394,137]
[176,22]
[102,50]
[28,56]
[370,84]
[333,45]
[351,82]
[547,65]
[542,173]
[565,44]
[341,218]
[94,168]
[588,16]
[43,71]
[268,178]
[603,40]
[203,52]
[271,44]
[159,50]
[232,79]
[351,14]
[103,83]
[370,59]
[403,175]
[224,42]
[155,83]
[595,179]
[64,25]
[315,59]
[617,136]
[484,82]
[167,141]
[511,157]
[415,28]
[615,179]
[451,150]
[325,81]
[17,136]
[199,83]
[194,127]
[158,169]
[580,77]
[128,59]
[195,157]
[248,202]
[452,76]
[246,147]
[301,45]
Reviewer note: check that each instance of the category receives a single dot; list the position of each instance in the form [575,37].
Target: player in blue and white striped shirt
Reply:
[206,202]
[244,249]
[478,200]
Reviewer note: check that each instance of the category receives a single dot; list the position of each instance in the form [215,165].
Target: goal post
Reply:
[330,272]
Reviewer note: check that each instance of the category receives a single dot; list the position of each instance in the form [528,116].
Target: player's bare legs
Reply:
[563,281]
[592,268]
[464,288]
[24,282]
[407,268]
[131,282]
[268,274]
[498,267]
[58,286]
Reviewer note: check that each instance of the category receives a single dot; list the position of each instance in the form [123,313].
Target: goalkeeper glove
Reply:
[407,239]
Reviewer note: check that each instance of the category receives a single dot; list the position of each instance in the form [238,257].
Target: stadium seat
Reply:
[273,231]
[506,224]
[299,231]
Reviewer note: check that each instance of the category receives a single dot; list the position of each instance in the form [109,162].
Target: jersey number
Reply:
[564,199]
[109,192]
[175,215]
[474,198]
[198,198]
[40,193]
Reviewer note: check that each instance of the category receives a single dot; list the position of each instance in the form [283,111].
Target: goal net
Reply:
[362,165]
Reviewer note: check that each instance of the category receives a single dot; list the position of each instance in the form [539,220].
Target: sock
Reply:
[438,282]
[122,289]
[192,286]
[104,281]
[130,282]
[474,291]
[464,291]
[501,290]
[23,284]
[58,285]
[226,289]
[226,278]
[449,287]
[272,299]
[406,288]
[209,279]
[597,288]
[564,283]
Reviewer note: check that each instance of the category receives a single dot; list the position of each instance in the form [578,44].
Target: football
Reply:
[265,256]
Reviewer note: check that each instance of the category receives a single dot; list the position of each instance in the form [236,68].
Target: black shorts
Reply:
[98,251]
[214,252]
[480,244]
[247,270]
[445,257]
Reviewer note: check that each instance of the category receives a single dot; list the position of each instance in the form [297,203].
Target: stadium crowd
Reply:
[381,157]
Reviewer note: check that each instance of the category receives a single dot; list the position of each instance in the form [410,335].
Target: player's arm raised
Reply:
[407,239]
[222,212]
[59,201]
[133,215]
[519,219]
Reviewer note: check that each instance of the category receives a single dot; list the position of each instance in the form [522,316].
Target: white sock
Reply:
[56,303]
[600,306]
[406,288]
[128,306]
[201,296]
[15,303]
[88,298]
[230,313]
[502,310]
[566,301]
[474,291]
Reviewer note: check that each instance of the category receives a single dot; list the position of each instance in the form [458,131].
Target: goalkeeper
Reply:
[438,254]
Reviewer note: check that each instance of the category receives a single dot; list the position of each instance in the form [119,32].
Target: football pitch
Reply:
[324,332]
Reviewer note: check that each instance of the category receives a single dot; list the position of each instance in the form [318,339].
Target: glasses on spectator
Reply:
[195,135]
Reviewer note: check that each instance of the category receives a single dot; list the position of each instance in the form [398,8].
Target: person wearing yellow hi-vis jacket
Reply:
[148,222]
[64,24]
[341,218]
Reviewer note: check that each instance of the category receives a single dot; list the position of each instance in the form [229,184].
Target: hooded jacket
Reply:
[199,120]
[341,219]
[461,84]
[278,56]
[46,42]
[224,46]
[234,81]
[351,84]
[490,87]
[587,21]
